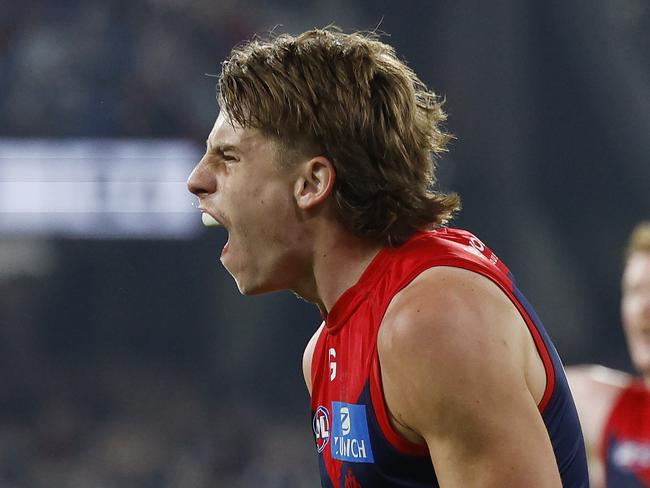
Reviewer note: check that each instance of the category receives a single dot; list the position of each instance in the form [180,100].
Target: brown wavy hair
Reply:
[349,98]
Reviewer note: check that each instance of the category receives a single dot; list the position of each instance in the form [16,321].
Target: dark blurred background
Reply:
[127,356]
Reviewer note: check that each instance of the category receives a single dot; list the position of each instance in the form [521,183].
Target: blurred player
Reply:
[614,407]
[430,368]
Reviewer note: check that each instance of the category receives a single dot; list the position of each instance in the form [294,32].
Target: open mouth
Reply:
[209,221]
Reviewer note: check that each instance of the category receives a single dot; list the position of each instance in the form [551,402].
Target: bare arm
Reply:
[454,356]
[594,390]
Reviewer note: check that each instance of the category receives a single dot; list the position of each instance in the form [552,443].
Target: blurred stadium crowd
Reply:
[105,68]
[140,427]
[79,409]
[136,364]
[102,387]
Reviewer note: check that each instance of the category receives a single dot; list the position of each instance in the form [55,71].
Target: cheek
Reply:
[276,210]
[632,312]
[259,226]
[625,313]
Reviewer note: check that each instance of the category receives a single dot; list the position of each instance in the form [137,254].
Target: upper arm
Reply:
[595,389]
[452,353]
[308,354]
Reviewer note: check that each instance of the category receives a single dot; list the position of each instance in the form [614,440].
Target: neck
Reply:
[338,261]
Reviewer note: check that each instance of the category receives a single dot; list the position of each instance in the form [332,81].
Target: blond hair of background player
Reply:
[596,388]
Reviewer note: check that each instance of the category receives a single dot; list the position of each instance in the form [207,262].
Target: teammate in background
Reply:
[614,407]
[430,368]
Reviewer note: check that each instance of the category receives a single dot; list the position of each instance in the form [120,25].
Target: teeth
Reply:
[209,221]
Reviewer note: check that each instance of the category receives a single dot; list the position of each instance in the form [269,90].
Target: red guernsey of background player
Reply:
[614,407]
[430,367]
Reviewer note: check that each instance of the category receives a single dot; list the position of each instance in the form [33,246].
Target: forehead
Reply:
[224,133]
[637,269]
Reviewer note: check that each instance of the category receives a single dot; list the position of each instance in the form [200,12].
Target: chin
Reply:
[250,291]
[247,288]
[247,285]
[644,369]
[642,364]
[259,280]
[252,288]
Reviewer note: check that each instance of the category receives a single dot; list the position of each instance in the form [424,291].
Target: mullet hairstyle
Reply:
[349,98]
[639,240]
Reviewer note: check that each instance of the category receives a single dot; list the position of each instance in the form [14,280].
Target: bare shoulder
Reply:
[451,310]
[453,354]
[460,325]
[597,377]
[308,354]
[595,389]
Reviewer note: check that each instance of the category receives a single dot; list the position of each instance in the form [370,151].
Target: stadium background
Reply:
[132,361]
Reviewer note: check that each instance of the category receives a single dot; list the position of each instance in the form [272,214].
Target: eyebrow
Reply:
[220,148]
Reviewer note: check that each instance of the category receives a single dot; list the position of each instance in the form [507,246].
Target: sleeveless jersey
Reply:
[626,440]
[356,443]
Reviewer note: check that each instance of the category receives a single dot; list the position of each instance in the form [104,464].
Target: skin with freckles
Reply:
[596,388]
[321,158]
[282,234]
[238,183]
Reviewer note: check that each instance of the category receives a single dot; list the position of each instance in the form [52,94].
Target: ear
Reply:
[315,182]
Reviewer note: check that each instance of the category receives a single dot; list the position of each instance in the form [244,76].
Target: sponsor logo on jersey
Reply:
[478,248]
[631,455]
[321,426]
[350,437]
[332,357]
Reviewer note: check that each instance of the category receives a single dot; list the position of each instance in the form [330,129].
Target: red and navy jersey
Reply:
[356,443]
[626,440]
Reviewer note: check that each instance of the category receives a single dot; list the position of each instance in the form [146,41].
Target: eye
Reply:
[229,158]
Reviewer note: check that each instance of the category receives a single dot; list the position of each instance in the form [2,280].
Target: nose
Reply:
[202,181]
